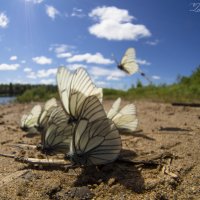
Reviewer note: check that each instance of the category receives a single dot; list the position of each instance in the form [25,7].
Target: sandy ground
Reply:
[164,129]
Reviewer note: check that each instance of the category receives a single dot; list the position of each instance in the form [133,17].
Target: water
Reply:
[6,100]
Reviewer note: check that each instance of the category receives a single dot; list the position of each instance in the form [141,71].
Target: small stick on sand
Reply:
[12,177]
[23,146]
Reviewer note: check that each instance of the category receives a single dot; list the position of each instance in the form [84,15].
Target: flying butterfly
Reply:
[128,62]
[125,118]
[94,141]
[73,89]
[129,65]
[30,121]
[57,135]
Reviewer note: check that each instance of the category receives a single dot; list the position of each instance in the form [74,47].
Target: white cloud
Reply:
[46,73]
[6,67]
[52,12]
[115,24]
[77,12]
[3,20]
[35,1]
[40,73]
[142,62]
[47,81]
[27,69]
[13,58]
[110,74]
[90,58]
[42,60]
[58,48]
[152,43]
[156,77]
[64,55]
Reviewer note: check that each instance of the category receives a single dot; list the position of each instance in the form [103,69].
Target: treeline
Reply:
[18,89]
[186,89]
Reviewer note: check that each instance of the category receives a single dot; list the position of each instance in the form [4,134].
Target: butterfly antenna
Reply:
[146,77]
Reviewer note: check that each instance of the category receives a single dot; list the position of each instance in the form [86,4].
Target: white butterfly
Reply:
[125,118]
[74,88]
[128,62]
[95,139]
[46,112]
[57,135]
[30,120]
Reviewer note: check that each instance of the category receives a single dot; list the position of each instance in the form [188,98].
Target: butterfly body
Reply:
[128,62]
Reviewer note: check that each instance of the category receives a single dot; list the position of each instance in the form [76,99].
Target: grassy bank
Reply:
[187,89]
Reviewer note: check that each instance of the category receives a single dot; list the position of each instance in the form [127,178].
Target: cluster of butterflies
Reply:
[80,128]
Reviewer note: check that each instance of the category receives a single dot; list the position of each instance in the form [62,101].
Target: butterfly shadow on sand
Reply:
[113,174]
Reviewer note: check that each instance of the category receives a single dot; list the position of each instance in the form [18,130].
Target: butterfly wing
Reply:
[43,120]
[64,80]
[31,120]
[128,62]
[91,109]
[95,143]
[95,139]
[74,89]
[126,120]
[58,134]
[114,109]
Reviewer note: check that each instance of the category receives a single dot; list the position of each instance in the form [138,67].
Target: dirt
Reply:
[165,128]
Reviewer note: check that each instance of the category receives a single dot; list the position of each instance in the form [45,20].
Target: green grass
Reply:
[187,89]
[41,93]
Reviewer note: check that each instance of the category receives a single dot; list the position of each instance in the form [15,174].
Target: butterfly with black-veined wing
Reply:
[57,135]
[73,89]
[128,62]
[95,138]
[30,120]
[129,65]
[46,112]
[125,119]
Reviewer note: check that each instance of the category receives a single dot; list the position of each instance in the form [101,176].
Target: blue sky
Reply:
[37,36]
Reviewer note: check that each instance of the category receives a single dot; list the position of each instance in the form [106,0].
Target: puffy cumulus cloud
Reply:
[47,81]
[52,12]
[156,77]
[42,60]
[115,24]
[3,20]
[90,58]
[13,58]
[46,73]
[110,74]
[7,67]
[142,62]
